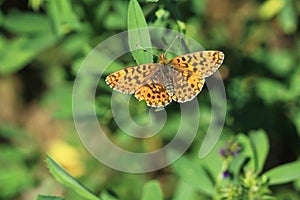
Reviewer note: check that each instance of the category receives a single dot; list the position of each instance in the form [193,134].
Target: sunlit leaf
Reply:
[152,191]
[284,173]
[270,8]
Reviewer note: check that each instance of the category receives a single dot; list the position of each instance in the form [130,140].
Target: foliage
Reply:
[44,42]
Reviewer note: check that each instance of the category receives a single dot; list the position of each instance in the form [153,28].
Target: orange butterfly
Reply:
[179,79]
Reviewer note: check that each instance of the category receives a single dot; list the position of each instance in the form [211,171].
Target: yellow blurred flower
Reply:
[67,156]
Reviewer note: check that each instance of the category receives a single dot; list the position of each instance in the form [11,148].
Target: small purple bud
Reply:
[234,153]
[225,174]
[230,149]
[223,153]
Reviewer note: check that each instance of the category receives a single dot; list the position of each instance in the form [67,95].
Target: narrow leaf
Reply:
[67,180]
[247,151]
[138,33]
[62,15]
[260,143]
[46,197]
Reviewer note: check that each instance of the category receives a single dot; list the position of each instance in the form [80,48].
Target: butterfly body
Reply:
[167,78]
[179,79]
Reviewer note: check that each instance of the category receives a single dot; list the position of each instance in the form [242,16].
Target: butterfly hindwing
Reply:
[186,87]
[154,91]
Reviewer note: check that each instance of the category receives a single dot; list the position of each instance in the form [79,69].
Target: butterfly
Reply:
[179,79]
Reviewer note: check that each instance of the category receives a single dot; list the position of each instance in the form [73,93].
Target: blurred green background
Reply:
[43,43]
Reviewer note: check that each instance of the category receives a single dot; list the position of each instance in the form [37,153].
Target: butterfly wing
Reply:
[189,71]
[202,64]
[186,86]
[147,81]
[154,91]
[130,79]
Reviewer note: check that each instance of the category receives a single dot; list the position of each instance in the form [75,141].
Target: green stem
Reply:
[220,177]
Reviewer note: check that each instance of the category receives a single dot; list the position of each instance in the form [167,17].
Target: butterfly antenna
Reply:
[146,50]
[171,44]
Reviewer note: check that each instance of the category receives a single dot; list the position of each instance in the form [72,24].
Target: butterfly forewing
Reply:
[130,79]
[202,63]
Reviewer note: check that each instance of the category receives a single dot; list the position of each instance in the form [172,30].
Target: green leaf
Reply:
[67,180]
[14,179]
[260,144]
[14,56]
[182,26]
[288,19]
[63,17]
[11,132]
[198,7]
[152,191]
[270,8]
[280,62]
[115,21]
[193,175]
[297,184]
[46,197]
[107,196]
[117,18]
[35,4]
[271,91]
[183,191]
[138,33]
[16,53]
[247,151]
[26,23]
[237,164]
[283,174]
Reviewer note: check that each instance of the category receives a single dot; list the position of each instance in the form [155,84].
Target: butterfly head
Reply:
[162,59]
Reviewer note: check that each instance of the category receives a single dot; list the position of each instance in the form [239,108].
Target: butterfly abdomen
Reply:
[168,80]
[170,88]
